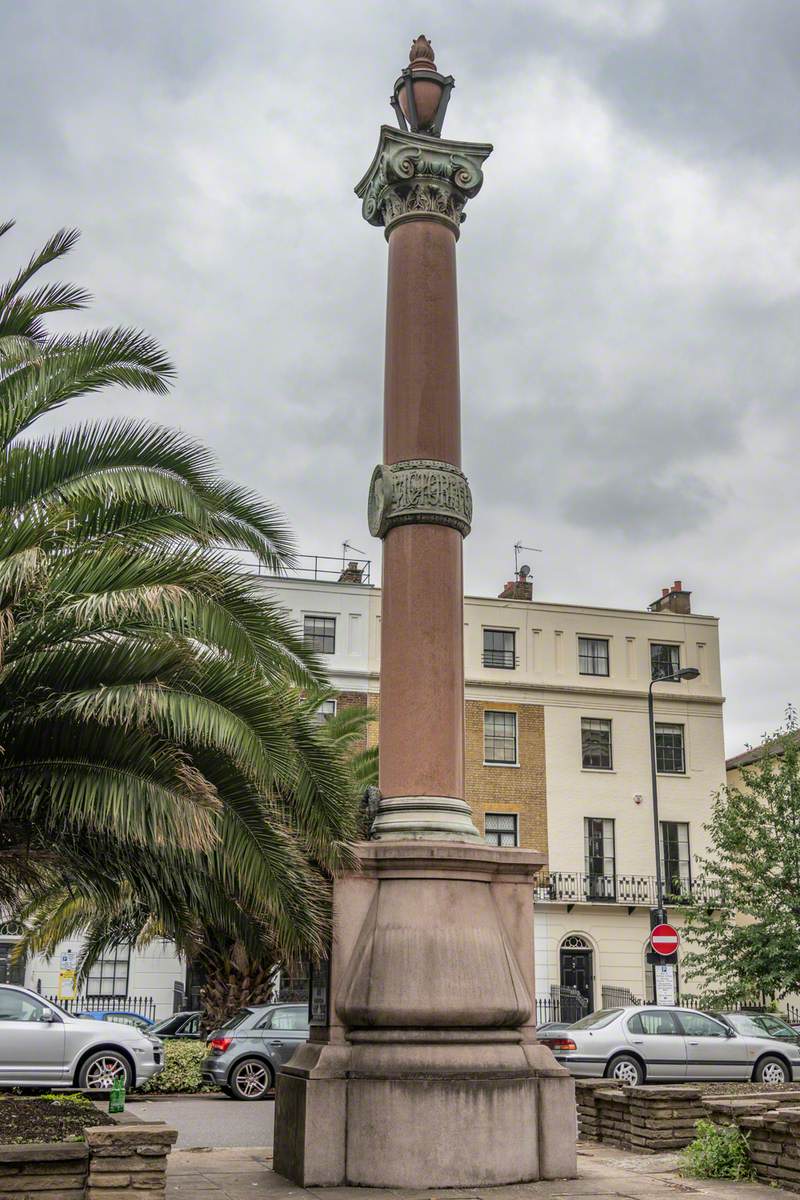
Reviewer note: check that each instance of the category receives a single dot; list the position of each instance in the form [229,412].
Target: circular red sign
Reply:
[664,939]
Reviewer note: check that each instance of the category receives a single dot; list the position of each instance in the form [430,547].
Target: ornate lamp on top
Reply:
[421,94]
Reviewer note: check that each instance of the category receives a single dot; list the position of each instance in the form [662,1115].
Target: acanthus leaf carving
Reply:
[414,175]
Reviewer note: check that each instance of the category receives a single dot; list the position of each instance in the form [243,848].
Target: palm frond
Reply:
[80,365]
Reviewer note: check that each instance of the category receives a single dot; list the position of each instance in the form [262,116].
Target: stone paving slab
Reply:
[604,1173]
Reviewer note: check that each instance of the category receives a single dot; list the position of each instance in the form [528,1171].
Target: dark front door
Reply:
[577,974]
[195,982]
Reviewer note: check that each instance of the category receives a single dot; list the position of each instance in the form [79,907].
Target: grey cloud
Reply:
[639,506]
[629,279]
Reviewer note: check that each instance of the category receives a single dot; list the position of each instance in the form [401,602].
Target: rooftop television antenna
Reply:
[346,548]
[523,570]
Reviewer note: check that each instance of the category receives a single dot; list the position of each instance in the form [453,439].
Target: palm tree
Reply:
[159,764]
[232,947]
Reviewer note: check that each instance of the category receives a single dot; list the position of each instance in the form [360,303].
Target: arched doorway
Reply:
[11,972]
[577,971]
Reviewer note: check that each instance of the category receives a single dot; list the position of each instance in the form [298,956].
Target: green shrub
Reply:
[78,1098]
[718,1152]
[183,1059]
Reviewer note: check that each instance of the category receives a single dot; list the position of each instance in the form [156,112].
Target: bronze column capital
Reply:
[415,176]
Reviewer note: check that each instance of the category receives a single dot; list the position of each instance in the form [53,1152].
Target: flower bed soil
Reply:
[746,1089]
[24,1120]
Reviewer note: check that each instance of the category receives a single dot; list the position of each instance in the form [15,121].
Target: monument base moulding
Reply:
[428,1073]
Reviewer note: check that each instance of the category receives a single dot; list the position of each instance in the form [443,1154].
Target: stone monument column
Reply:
[420,502]
[423,1069]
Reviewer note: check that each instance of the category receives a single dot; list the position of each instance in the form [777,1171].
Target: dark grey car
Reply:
[245,1053]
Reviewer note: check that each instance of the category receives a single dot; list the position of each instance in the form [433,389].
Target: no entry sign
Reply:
[664,939]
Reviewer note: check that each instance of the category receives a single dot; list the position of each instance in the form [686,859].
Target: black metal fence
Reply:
[563,1004]
[753,1004]
[143,1006]
[567,1004]
[341,568]
[617,997]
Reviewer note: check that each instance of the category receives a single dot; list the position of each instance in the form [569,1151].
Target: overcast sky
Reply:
[629,276]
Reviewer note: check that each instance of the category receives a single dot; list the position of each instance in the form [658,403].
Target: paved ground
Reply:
[605,1174]
[212,1120]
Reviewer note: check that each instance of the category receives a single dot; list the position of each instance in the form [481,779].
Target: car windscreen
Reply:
[596,1020]
[758,1025]
[237,1019]
[128,1019]
[169,1024]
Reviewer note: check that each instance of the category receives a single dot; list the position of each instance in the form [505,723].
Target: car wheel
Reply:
[626,1069]
[102,1069]
[771,1070]
[250,1079]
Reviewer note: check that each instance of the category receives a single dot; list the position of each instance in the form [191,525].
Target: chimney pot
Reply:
[674,600]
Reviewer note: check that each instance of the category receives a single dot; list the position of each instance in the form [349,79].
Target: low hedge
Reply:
[183,1059]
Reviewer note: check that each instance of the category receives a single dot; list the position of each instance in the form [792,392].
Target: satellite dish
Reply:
[524,571]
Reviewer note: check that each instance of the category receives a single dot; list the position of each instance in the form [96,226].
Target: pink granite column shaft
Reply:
[422,630]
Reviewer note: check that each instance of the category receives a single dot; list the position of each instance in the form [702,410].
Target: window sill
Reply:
[599,770]
[501,764]
[672,774]
[594,674]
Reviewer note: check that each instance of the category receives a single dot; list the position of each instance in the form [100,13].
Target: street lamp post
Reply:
[675,677]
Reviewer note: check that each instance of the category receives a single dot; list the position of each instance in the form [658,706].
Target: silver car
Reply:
[41,1045]
[674,1044]
[245,1053]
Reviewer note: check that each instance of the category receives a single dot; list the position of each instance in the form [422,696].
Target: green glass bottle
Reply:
[116,1101]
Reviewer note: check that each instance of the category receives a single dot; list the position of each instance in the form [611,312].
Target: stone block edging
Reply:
[116,1162]
[652,1118]
[648,1118]
[773,1137]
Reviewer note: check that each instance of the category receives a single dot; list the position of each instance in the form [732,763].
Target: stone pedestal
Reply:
[429,1073]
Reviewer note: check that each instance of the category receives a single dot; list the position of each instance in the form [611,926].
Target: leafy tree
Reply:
[161,770]
[748,948]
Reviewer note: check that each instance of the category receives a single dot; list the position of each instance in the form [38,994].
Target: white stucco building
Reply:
[558,753]
[558,759]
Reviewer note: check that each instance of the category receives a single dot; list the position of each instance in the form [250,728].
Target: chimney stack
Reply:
[517,589]
[674,600]
[352,573]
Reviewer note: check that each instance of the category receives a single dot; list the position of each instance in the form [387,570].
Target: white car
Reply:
[41,1045]
[676,1044]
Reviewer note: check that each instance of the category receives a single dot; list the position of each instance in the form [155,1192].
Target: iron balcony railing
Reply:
[504,659]
[578,887]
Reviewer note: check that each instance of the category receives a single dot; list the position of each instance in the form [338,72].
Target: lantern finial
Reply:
[421,52]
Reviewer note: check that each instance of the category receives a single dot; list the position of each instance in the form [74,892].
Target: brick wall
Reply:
[354,700]
[521,789]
